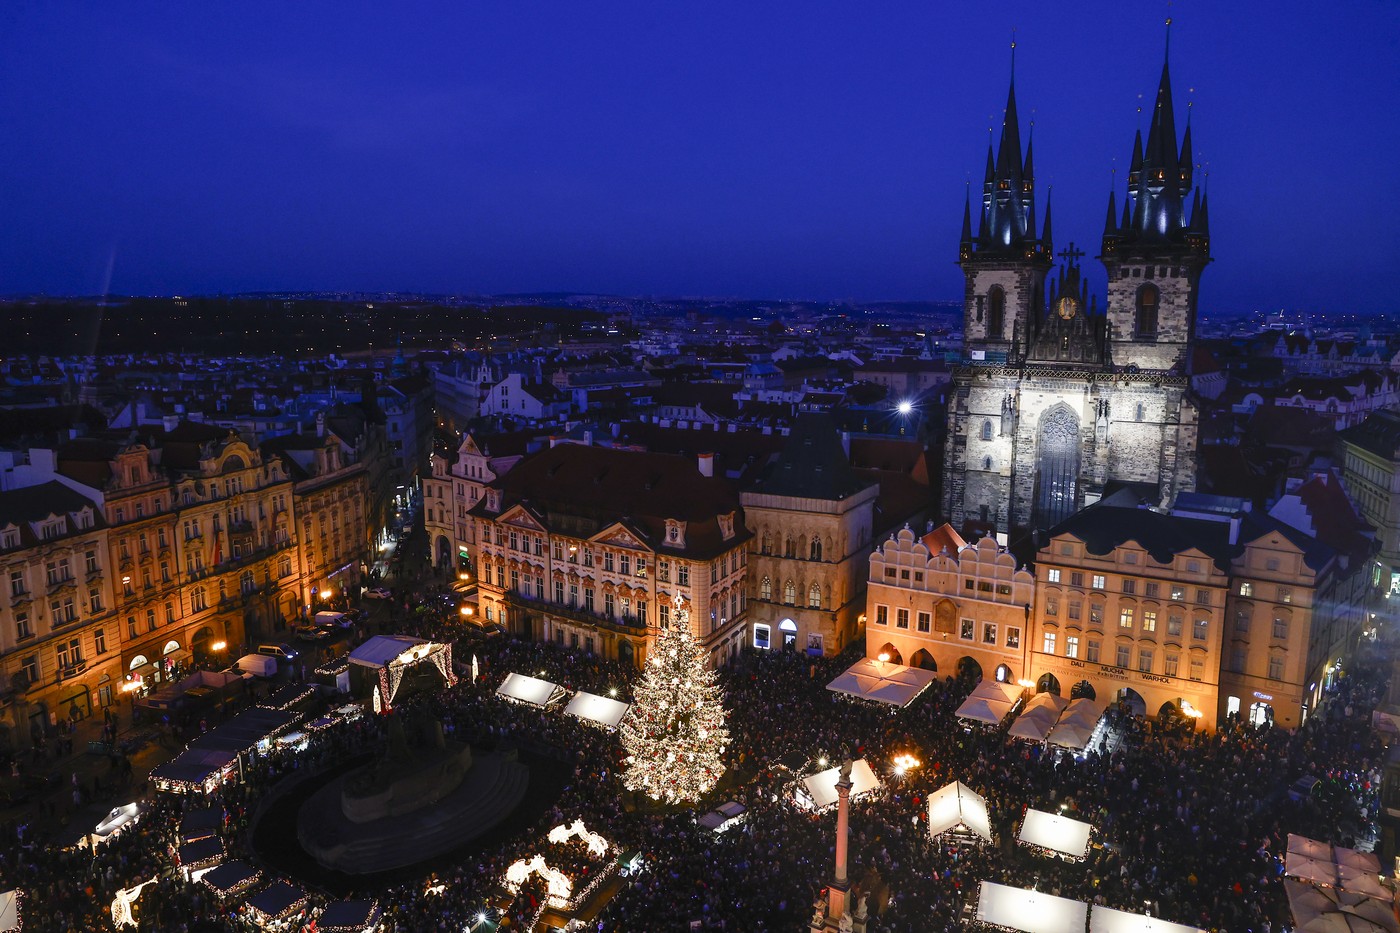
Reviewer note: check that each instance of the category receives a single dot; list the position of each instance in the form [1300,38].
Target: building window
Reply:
[131,626]
[1145,660]
[682,574]
[989,633]
[641,612]
[663,615]
[1123,655]
[1048,643]
[1052,606]
[1178,593]
[1098,582]
[1237,660]
[789,593]
[1013,636]
[1071,646]
[1151,590]
[1198,669]
[816,549]
[901,618]
[1242,620]
[965,629]
[150,620]
[16,582]
[925,622]
[94,601]
[1169,664]
[1280,628]
[1052,575]
[1125,618]
[765,589]
[996,313]
[1174,625]
[1276,668]
[1075,608]
[198,600]
[30,668]
[624,565]
[1096,614]
[558,591]
[1091,653]
[1130,586]
[882,615]
[1285,595]
[1203,597]
[814,600]
[608,561]
[1145,318]
[1149,621]
[986,430]
[22,629]
[99,641]
[609,605]
[1246,588]
[1199,630]
[588,598]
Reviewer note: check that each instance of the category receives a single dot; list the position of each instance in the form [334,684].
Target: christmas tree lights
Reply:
[675,734]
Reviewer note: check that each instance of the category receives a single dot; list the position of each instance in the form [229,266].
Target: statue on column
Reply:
[846,925]
[1008,415]
[1101,420]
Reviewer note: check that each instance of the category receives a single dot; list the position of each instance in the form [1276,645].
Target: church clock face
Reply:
[1067,307]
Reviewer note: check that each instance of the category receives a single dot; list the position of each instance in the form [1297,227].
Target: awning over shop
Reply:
[381,649]
[530,690]
[818,791]
[958,807]
[180,655]
[981,709]
[231,877]
[602,710]
[348,917]
[1055,832]
[1030,911]
[9,912]
[246,730]
[277,901]
[193,768]
[872,679]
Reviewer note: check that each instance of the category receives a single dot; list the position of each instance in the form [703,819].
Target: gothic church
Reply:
[1055,400]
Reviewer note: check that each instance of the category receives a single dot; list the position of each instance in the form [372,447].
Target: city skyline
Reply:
[723,152]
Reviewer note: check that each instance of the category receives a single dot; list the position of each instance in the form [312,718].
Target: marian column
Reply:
[837,913]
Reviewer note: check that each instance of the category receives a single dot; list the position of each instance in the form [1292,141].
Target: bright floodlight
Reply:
[905,407]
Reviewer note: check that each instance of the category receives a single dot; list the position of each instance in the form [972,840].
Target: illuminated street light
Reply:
[218,646]
[905,407]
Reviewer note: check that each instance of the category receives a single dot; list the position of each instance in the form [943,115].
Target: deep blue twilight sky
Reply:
[810,149]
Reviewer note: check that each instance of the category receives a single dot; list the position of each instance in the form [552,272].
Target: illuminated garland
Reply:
[675,732]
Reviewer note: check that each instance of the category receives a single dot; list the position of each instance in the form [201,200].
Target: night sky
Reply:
[813,150]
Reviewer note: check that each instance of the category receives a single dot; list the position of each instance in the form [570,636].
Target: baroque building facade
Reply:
[1054,401]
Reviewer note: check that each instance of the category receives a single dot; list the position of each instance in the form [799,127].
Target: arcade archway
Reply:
[889,653]
[1048,683]
[922,659]
[1133,701]
[1082,691]
[969,669]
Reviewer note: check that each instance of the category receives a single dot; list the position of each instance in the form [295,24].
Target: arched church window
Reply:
[1145,322]
[986,430]
[789,593]
[996,312]
[814,597]
[1057,466]
[816,548]
[765,589]
[789,549]
[1141,412]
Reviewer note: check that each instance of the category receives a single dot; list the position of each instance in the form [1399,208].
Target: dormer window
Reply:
[675,533]
[493,500]
[726,526]
[9,538]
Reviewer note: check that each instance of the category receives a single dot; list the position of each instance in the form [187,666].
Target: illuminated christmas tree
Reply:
[675,734]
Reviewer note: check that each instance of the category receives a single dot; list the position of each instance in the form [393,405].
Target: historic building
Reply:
[58,646]
[939,603]
[587,546]
[1054,401]
[1370,461]
[811,518]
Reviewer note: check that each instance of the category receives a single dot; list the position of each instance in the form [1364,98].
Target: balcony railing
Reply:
[575,613]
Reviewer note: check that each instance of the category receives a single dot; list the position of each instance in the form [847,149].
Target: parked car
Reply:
[313,633]
[336,620]
[281,651]
[378,592]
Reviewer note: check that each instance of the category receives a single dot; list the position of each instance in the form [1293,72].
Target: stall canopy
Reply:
[231,877]
[9,911]
[603,711]
[193,766]
[247,730]
[996,690]
[348,917]
[1029,911]
[1108,920]
[818,791]
[201,852]
[200,823]
[873,679]
[1339,867]
[722,817]
[1034,725]
[381,649]
[981,709]
[959,808]
[1055,832]
[276,901]
[1315,908]
[530,690]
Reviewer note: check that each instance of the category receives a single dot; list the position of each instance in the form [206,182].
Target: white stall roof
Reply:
[381,649]
[9,911]
[819,790]
[531,690]
[1108,920]
[1033,726]
[1048,701]
[1052,831]
[1030,911]
[996,690]
[982,709]
[1071,734]
[958,805]
[872,679]
[597,709]
[1082,710]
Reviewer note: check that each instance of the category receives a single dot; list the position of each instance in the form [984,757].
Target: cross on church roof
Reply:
[1072,254]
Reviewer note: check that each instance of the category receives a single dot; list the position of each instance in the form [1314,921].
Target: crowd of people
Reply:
[1189,828]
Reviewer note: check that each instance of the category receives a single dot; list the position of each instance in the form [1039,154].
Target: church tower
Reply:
[1156,252]
[1005,263]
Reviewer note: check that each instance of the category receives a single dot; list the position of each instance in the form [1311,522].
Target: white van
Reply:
[258,665]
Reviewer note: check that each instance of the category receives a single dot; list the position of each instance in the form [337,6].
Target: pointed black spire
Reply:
[1028,171]
[965,242]
[1135,166]
[1110,223]
[1184,160]
[1045,238]
[1204,223]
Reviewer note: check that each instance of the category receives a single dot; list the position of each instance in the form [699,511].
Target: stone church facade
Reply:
[1054,400]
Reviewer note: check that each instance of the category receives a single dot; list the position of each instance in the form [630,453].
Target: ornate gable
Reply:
[520,517]
[618,535]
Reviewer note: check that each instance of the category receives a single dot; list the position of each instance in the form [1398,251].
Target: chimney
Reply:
[706,463]
[320,424]
[1234,529]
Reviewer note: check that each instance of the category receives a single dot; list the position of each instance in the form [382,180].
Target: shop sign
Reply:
[1156,678]
[1263,696]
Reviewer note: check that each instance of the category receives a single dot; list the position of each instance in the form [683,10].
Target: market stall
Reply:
[277,902]
[605,712]
[983,710]
[818,791]
[231,878]
[1029,911]
[1108,920]
[349,917]
[531,691]
[202,853]
[882,681]
[1059,835]
[959,810]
